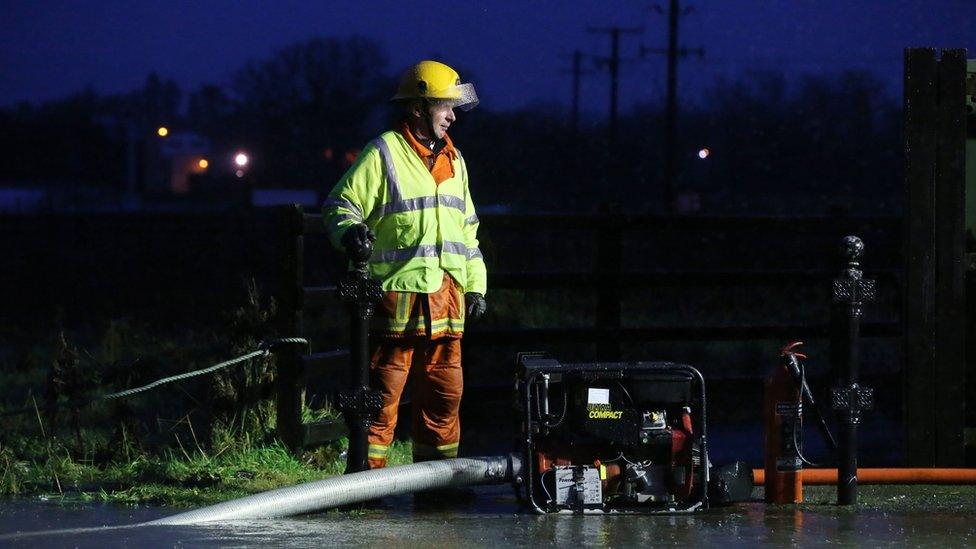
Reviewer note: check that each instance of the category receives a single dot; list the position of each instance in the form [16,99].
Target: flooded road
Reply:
[493,518]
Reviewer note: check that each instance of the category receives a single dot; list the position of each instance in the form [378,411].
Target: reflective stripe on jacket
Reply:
[423,229]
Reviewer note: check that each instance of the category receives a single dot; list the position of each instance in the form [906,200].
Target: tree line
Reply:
[817,143]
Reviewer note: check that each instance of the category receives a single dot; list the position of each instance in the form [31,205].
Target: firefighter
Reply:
[408,195]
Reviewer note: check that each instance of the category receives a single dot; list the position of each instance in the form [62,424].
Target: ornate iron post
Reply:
[359,404]
[848,398]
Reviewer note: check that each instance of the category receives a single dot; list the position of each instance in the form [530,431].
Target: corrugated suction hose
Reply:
[355,488]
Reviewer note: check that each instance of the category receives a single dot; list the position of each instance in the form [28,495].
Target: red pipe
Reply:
[883,476]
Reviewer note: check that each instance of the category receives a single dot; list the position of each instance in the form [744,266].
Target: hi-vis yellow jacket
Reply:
[422,229]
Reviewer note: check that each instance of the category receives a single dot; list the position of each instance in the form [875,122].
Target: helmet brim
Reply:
[460,96]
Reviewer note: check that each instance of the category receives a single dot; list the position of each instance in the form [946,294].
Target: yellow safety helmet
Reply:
[436,81]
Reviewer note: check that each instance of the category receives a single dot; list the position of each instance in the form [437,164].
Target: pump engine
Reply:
[611,437]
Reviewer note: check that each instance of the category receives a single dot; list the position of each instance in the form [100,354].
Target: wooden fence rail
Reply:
[608,279]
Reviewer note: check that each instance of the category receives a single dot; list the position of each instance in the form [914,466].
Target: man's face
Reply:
[441,118]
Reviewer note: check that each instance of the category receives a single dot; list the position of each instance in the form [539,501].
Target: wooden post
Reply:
[969,433]
[920,151]
[934,287]
[950,279]
[290,379]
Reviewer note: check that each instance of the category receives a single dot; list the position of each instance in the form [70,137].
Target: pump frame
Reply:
[533,366]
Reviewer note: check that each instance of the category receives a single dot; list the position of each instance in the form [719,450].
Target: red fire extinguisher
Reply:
[783,422]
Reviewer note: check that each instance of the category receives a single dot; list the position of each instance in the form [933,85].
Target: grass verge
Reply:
[173,477]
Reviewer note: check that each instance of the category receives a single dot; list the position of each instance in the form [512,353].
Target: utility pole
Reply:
[671,115]
[577,72]
[613,64]
[671,111]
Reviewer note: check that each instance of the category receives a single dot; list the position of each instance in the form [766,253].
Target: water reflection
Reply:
[495,520]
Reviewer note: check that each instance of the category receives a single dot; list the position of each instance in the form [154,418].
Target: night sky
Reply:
[515,52]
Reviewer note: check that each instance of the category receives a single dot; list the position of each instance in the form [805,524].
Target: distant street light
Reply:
[703,154]
[241,160]
[203,163]
[163,131]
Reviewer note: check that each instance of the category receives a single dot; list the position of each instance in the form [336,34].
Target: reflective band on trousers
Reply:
[397,203]
[377,451]
[418,325]
[424,250]
[444,450]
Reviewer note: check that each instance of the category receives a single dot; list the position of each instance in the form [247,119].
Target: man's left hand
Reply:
[476,305]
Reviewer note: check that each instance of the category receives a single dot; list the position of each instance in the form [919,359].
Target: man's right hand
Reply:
[358,242]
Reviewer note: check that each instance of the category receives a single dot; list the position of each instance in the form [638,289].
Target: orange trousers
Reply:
[433,369]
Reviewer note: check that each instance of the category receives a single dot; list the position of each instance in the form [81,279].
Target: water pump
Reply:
[611,437]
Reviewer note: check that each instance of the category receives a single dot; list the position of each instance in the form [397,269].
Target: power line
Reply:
[806,60]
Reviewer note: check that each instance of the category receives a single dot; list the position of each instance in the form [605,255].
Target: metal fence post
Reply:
[359,404]
[848,398]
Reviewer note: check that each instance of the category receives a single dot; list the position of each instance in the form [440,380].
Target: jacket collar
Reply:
[422,150]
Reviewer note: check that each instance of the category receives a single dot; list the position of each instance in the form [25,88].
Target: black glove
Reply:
[476,305]
[358,242]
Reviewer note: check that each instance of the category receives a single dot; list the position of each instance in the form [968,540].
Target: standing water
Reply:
[925,516]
